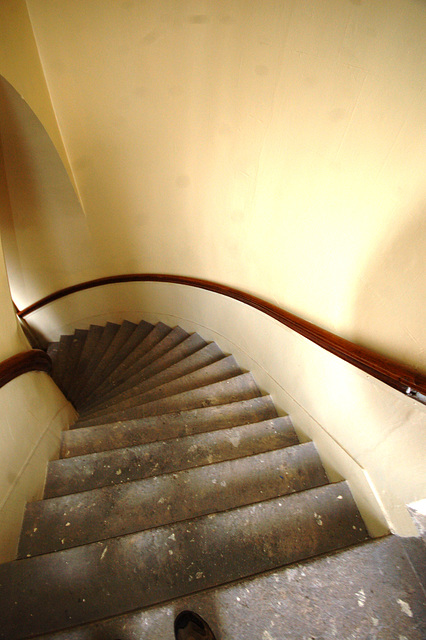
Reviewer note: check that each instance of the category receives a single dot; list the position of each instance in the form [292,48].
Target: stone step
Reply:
[234,389]
[60,362]
[317,598]
[190,346]
[80,518]
[79,339]
[215,372]
[108,335]
[118,575]
[97,377]
[198,361]
[129,433]
[95,470]
[139,334]
[93,336]
[147,345]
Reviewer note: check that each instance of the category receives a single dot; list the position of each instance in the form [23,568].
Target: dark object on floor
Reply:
[191,626]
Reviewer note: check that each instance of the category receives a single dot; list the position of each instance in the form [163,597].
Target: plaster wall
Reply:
[277,146]
[33,413]
[365,431]
[20,65]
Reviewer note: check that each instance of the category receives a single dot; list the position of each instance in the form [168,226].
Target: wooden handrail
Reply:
[396,375]
[33,360]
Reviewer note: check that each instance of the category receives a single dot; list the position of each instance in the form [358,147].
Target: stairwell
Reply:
[178,478]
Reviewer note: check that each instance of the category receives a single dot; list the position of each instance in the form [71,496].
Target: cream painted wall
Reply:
[275,146]
[365,431]
[44,230]
[20,65]
[33,412]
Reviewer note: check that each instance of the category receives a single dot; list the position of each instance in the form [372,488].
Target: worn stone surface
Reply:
[94,335]
[154,375]
[80,518]
[183,350]
[368,592]
[91,471]
[215,372]
[98,375]
[106,578]
[96,354]
[172,425]
[234,389]
[139,334]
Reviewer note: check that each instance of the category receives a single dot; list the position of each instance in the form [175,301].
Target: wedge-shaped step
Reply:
[137,337]
[130,433]
[97,377]
[79,339]
[238,388]
[133,463]
[154,337]
[146,380]
[108,335]
[55,591]
[215,372]
[60,363]
[93,336]
[59,523]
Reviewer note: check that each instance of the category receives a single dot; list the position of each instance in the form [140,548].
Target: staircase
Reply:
[177,477]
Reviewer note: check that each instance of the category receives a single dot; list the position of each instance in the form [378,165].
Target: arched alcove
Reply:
[45,236]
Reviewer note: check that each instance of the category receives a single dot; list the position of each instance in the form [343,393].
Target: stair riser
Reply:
[93,337]
[135,432]
[60,523]
[239,388]
[77,347]
[158,333]
[119,575]
[98,350]
[124,465]
[139,334]
[98,376]
[190,346]
[216,372]
[148,379]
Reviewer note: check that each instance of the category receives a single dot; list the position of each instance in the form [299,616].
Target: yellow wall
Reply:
[20,65]
[277,146]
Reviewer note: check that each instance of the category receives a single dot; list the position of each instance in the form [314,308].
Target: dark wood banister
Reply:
[396,375]
[33,360]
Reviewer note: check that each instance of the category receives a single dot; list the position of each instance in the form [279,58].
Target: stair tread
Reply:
[93,336]
[145,568]
[79,339]
[58,523]
[213,372]
[98,374]
[156,335]
[175,357]
[237,388]
[137,337]
[60,362]
[172,425]
[330,586]
[98,350]
[95,470]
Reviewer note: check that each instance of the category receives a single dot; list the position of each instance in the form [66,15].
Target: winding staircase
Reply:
[178,476]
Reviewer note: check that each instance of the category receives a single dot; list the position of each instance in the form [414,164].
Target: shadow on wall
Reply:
[390,302]
[46,241]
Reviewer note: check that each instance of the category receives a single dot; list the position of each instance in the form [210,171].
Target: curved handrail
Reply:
[33,360]
[396,375]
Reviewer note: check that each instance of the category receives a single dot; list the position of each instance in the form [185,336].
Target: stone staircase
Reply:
[177,477]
